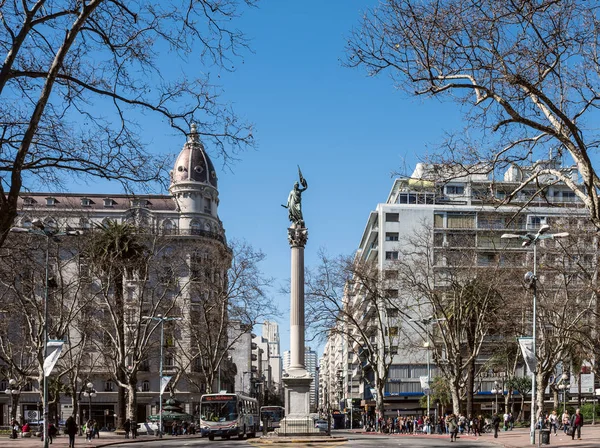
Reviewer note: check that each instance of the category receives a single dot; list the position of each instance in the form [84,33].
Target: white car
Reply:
[149,428]
[321,424]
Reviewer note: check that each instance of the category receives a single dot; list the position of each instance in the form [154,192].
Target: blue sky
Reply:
[348,132]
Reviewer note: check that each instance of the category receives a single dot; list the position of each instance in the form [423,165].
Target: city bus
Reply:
[228,414]
[274,413]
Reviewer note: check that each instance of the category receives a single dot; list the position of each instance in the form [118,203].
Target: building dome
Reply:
[193,164]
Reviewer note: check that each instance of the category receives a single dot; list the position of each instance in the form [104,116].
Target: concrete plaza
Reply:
[518,438]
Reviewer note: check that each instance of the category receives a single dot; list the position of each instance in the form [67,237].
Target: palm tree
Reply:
[115,251]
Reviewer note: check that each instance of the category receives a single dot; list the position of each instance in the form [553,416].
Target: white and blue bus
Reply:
[229,414]
[274,415]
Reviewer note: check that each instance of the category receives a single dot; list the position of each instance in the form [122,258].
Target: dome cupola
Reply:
[193,164]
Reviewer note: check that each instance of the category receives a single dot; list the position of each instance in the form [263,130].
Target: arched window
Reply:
[196,227]
[146,386]
[168,227]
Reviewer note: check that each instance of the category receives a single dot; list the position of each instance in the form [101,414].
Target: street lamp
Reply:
[162,319]
[90,393]
[497,390]
[13,392]
[426,321]
[563,386]
[532,239]
[48,231]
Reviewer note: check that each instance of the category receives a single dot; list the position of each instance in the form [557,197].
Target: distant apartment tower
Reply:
[270,332]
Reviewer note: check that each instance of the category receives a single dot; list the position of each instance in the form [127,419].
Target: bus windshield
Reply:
[219,408]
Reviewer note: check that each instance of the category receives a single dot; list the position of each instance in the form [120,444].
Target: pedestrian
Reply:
[506,418]
[496,424]
[475,426]
[127,428]
[576,424]
[96,429]
[52,432]
[133,429]
[565,421]
[89,430]
[15,429]
[553,419]
[71,430]
[452,425]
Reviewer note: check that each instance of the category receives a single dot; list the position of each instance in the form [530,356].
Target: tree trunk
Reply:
[455,399]
[540,393]
[470,386]
[132,400]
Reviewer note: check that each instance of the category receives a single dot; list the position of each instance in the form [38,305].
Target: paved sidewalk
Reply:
[106,439]
[519,438]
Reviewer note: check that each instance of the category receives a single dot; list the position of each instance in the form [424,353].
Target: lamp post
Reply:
[497,390]
[49,232]
[13,392]
[532,239]
[563,386]
[90,393]
[426,321]
[162,319]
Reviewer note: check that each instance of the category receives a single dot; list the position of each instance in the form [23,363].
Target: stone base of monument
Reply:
[297,421]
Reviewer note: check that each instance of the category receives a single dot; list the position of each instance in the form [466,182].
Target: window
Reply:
[207,205]
[455,189]
[391,293]
[168,227]
[146,386]
[392,312]
[390,274]
[391,255]
[393,331]
[392,217]
[86,202]
[460,221]
[196,227]
[108,202]
[28,202]
[438,220]
[391,236]
[109,386]
[169,360]
[535,222]
[50,202]
[84,223]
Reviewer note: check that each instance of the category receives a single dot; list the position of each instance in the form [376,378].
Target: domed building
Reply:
[190,259]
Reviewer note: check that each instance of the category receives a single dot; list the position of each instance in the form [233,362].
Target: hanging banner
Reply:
[53,353]
[425,384]
[528,355]
[163,383]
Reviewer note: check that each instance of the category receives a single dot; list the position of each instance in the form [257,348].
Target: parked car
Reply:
[321,424]
[149,428]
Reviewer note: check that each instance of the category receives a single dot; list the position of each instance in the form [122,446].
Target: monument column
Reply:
[296,379]
[297,236]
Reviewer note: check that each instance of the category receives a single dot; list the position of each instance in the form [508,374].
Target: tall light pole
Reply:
[162,319]
[426,321]
[497,391]
[48,232]
[563,386]
[13,392]
[90,393]
[532,239]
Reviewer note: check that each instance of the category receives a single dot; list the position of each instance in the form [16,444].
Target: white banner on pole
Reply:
[54,350]
[528,355]
[424,383]
[163,383]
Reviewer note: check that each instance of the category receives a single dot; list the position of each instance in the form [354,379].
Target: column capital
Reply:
[297,235]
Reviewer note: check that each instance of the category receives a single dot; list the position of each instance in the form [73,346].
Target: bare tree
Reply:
[466,302]
[353,298]
[524,73]
[76,76]
[233,297]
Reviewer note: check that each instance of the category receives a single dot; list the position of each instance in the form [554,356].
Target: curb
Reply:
[320,439]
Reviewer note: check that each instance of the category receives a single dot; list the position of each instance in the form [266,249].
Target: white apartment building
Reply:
[469,205]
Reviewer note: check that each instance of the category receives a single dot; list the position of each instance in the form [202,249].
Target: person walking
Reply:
[565,421]
[127,427]
[553,419]
[452,425]
[496,424]
[71,430]
[576,424]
